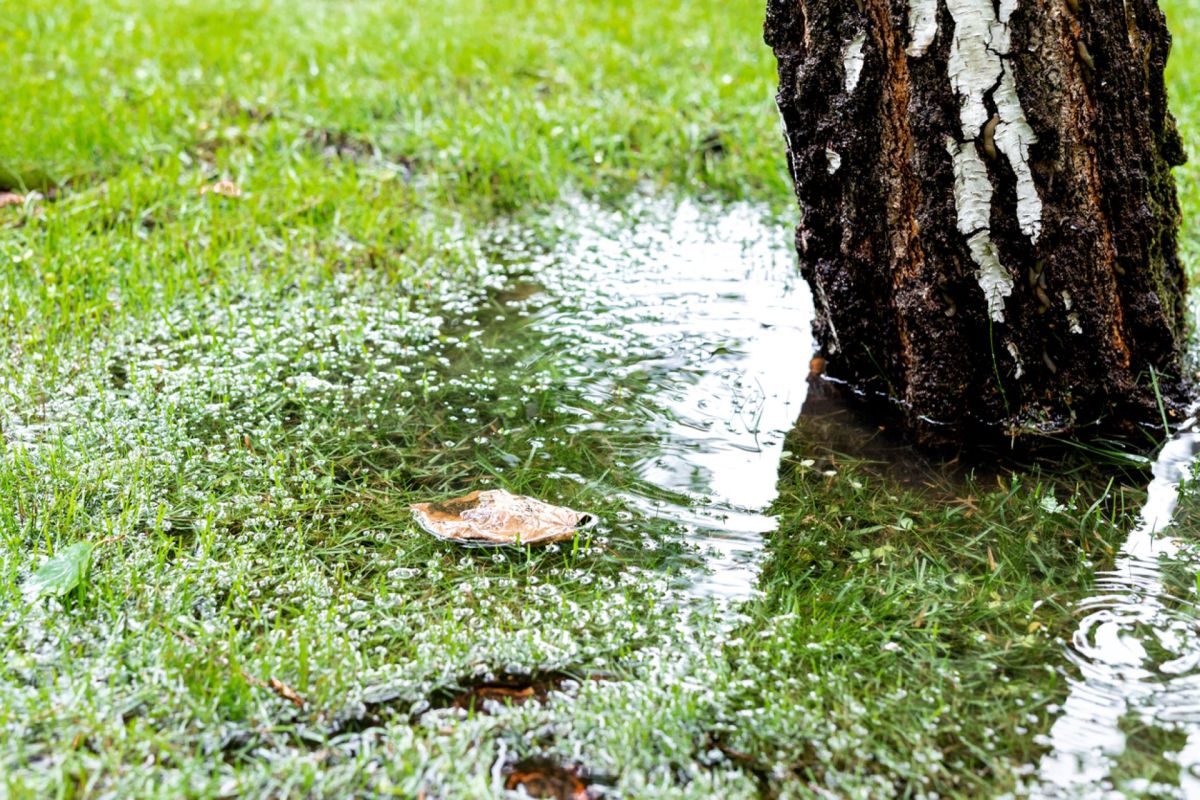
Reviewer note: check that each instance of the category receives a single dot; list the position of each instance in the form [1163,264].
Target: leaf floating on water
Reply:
[496,517]
[62,573]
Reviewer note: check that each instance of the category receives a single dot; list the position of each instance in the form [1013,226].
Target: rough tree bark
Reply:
[988,212]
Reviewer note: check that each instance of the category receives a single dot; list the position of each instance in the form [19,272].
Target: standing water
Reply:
[1137,651]
[707,312]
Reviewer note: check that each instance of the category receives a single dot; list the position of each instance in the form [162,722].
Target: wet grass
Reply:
[933,617]
[263,617]
[236,399]
[352,130]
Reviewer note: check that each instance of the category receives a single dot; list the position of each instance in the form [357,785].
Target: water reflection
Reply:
[704,312]
[1137,655]
[695,324]
[833,427]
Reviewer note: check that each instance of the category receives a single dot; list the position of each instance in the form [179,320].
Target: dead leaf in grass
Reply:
[223,188]
[496,517]
[11,199]
[541,778]
[286,692]
[507,689]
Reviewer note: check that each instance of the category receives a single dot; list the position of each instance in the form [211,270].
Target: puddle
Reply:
[1136,654]
[482,695]
[832,429]
[698,323]
[651,360]
[645,367]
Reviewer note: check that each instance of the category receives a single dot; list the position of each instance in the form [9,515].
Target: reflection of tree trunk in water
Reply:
[830,430]
[988,213]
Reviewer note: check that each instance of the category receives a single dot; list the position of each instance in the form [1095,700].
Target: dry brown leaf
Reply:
[496,517]
[516,696]
[544,779]
[286,692]
[11,199]
[223,188]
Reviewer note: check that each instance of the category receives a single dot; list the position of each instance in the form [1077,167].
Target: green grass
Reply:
[464,109]
[235,399]
[941,611]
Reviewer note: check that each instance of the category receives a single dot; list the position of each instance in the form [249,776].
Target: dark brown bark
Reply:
[1094,320]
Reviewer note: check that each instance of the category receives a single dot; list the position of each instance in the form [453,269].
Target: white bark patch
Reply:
[834,161]
[1014,137]
[973,199]
[853,60]
[922,26]
[1072,318]
[1019,365]
[972,189]
[836,346]
[993,278]
[977,66]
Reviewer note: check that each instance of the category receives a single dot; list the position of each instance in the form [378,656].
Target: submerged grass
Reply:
[932,617]
[263,618]
[236,398]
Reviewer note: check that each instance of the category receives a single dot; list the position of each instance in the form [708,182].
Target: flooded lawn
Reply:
[694,322]
[1136,655]
[764,609]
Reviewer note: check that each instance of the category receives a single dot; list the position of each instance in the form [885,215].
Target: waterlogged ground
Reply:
[262,617]
[277,270]
[245,464]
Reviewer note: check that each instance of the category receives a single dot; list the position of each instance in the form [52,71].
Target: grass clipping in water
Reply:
[498,517]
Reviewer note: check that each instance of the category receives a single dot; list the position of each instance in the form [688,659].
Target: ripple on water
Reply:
[708,312]
[1136,654]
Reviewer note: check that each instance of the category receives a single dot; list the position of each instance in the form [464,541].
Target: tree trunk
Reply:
[988,214]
